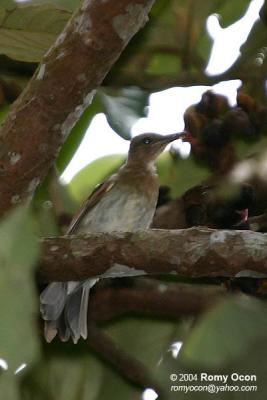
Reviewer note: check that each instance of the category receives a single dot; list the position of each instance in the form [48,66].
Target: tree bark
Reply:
[151,297]
[60,90]
[194,252]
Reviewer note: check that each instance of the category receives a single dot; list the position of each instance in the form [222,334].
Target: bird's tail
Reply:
[64,308]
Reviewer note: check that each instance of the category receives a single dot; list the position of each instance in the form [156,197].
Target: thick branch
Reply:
[194,252]
[151,297]
[60,90]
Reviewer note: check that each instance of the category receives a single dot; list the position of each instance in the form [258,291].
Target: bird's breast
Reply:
[121,209]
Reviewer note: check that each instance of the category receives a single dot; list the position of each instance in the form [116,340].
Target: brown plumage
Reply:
[126,201]
[204,205]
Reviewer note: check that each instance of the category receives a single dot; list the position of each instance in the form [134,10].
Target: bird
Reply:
[126,201]
[211,205]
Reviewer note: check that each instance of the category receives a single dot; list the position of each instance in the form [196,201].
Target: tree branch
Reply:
[60,90]
[130,368]
[155,83]
[194,252]
[151,297]
[144,297]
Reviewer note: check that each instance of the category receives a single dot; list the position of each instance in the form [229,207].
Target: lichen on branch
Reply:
[194,252]
[60,90]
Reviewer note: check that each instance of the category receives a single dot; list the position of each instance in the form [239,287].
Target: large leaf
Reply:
[114,386]
[52,204]
[68,5]
[228,340]
[146,340]
[27,31]
[64,363]
[8,386]
[229,11]
[184,381]
[85,181]
[77,133]
[4,108]
[18,303]
[123,108]
[179,174]
[226,332]
[135,337]
[65,378]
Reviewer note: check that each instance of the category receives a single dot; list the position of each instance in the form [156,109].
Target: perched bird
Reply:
[208,206]
[204,205]
[126,201]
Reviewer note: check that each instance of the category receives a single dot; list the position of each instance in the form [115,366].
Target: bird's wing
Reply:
[99,191]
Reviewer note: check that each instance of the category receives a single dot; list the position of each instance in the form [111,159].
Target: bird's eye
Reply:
[147,140]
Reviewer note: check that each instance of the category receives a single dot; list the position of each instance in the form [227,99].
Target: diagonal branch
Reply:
[129,367]
[194,252]
[60,90]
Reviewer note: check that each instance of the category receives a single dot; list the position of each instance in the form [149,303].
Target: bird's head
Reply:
[145,148]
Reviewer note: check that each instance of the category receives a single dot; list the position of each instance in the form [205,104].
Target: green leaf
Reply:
[226,332]
[146,346]
[51,202]
[4,109]
[146,340]
[19,250]
[179,174]
[62,378]
[68,5]
[90,378]
[188,379]
[123,108]
[9,386]
[77,134]
[27,31]
[85,181]
[113,382]
[247,360]
[230,11]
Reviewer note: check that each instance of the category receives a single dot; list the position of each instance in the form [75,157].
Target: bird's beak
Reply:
[170,138]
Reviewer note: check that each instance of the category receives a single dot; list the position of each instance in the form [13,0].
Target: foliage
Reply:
[173,48]
[218,351]
[28,31]
[93,173]
[18,301]
[124,109]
